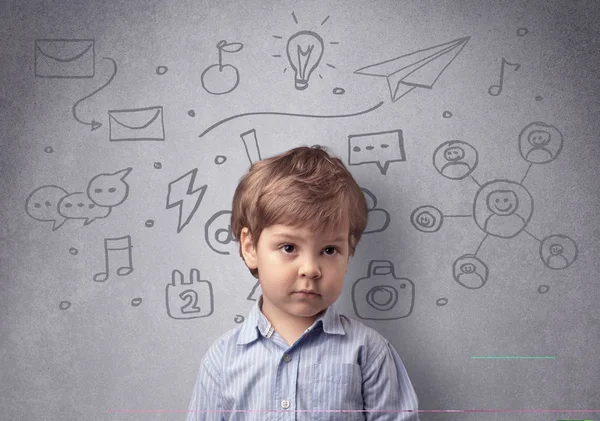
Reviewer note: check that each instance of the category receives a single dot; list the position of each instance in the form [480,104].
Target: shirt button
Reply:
[285,404]
[287,358]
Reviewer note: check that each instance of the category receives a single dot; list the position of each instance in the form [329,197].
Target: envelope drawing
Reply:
[136,124]
[64,58]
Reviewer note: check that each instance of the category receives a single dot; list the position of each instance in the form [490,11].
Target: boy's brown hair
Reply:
[305,186]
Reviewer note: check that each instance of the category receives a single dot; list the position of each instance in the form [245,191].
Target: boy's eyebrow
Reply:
[296,237]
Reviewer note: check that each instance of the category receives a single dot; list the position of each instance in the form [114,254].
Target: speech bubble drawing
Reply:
[42,205]
[109,189]
[79,206]
[381,148]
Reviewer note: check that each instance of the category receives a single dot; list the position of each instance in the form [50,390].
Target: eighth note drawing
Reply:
[495,90]
[117,254]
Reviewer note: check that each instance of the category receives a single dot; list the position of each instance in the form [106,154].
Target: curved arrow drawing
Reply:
[95,124]
[291,115]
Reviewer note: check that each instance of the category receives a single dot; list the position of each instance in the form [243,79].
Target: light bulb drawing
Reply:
[304,52]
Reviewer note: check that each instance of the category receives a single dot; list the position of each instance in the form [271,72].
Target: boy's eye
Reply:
[332,249]
[288,248]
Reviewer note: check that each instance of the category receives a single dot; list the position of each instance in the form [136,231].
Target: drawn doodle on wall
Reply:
[304,51]
[94,124]
[455,159]
[64,58]
[470,271]
[255,292]
[219,79]
[52,203]
[218,123]
[495,90]
[558,251]
[251,146]
[136,124]
[117,258]
[185,194]
[381,295]
[380,148]
[419,69]
[540,143]
[189,299]
[427,218]
[70,59]
[378,219]
[503,208]
[218,234]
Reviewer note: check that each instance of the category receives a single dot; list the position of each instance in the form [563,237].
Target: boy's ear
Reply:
[248,250]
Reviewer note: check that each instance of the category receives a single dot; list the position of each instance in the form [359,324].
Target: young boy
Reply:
[298,217]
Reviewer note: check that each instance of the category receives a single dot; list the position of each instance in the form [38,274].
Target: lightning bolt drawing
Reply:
[184,193]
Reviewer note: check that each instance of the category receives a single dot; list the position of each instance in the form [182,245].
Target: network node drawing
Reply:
[501,208]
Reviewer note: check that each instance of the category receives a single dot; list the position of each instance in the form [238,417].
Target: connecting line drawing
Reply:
[501,208]
[95,124]
[217,124]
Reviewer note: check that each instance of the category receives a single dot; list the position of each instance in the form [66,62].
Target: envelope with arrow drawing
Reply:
[136,124]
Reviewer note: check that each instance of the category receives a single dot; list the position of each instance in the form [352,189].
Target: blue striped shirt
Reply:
[250,373]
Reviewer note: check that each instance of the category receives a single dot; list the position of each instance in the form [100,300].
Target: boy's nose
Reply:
[310,268]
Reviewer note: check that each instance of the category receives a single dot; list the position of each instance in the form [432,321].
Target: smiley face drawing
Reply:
[502,208]
[540,143]
[427,218]
[455,159]
[470,271]
[558,251]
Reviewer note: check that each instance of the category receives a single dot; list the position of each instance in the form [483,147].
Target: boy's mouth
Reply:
[307,292]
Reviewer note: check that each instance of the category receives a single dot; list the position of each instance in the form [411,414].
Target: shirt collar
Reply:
[257,324]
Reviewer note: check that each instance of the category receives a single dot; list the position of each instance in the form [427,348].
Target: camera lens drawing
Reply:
[501,208]
[219,79]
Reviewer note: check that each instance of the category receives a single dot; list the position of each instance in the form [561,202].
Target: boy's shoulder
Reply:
[356,330]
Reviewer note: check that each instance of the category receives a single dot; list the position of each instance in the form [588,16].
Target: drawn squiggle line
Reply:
[95,124]
[289,114]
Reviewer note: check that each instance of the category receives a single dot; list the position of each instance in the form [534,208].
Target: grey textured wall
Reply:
[472,126]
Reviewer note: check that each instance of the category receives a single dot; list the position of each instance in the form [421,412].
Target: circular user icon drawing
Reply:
[558,251]
[540,143]
[427,218]
[470,271]
[502,208]
[455,159]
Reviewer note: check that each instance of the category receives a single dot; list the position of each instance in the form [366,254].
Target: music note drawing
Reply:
[117,258]
[495,90]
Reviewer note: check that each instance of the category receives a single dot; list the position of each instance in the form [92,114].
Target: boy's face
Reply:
[291,259]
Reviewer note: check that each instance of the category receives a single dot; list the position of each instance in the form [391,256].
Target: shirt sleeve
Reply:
[387,388]
[206,404]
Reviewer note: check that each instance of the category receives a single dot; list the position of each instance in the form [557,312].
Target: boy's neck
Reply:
[289,327]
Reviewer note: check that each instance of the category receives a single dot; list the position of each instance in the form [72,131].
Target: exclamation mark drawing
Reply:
[251,145]
[253,153]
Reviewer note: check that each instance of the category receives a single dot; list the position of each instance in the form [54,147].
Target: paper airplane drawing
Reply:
[419,69]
